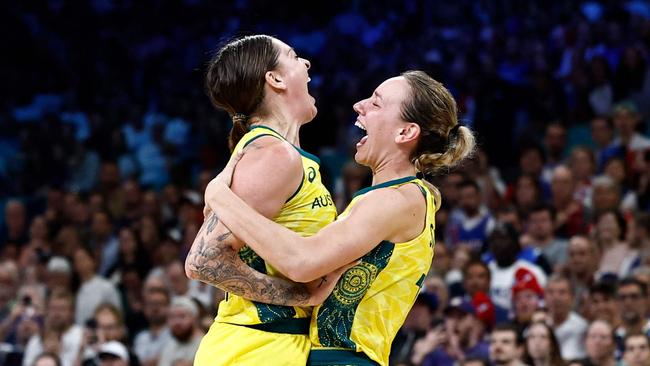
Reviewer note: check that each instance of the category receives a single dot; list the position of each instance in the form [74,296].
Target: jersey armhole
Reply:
[299,186]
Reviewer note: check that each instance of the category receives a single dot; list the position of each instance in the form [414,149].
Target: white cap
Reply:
[59,264]
[114,348]
[185,303]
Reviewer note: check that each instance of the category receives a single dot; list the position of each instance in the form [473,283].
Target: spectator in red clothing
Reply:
[569,218]
[527,295]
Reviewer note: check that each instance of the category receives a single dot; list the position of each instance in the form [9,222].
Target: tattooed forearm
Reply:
[213,260]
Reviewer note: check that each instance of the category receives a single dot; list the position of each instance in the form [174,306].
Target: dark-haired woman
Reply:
[411,124]
[262,84]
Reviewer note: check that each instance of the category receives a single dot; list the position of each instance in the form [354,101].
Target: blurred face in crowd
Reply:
[525,303]
[562,184]
[8,283]
[555,139]
[156,306]
[449,187]
[150,206]
[470,200]
[181,323]
[605,198]
[462,324]
[559,298]
[580,255]
[503,347]
[441,262]
[626,121]
[131,191]
[504,247]
[38,229]
[419,318]
[176,277]
[84,263]
[599,341]
[15,217]
[127,241]
[101,225]
[526,191]
[632,304]
[540,225]
[538,341]
[476,278]
[109,326]
[60,313]
[601,133]
[615,169]
[531,162]
[109,176]
[582,164]
[604,307]
[608,229]
[637,351]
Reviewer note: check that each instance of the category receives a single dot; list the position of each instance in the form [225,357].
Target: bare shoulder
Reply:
[401,209]
[403,198]
[271,154]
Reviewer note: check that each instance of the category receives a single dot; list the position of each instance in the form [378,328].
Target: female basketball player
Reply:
[262,84]
[411,124]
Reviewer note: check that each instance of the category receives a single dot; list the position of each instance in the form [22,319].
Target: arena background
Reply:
[107,140]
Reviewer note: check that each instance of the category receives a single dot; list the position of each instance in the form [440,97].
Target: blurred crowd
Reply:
[107,142]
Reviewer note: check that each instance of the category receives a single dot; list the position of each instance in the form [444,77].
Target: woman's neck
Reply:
[394,169]
[286,126]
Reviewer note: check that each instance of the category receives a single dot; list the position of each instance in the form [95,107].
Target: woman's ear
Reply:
[275,80]
[407,133]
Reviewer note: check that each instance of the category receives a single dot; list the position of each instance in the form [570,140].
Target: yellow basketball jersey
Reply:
[306,212]
[371,300]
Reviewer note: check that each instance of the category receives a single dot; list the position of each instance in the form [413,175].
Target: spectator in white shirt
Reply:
[569,327]
[60,335]
[94,290]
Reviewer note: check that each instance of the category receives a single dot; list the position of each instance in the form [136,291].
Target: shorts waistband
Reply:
[285,326]
[336,357]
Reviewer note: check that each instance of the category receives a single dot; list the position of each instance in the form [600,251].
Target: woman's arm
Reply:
[267,176]
[380,215]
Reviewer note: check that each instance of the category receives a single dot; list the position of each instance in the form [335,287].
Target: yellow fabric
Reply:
[309,210]
[228,344]
[372,299]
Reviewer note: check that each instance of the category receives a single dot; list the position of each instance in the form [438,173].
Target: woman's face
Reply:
[581,165]
[127,241]
[599,342]
[526,193]
[293,74]
[615,169]
[608,228]
[380,117]
[538,341]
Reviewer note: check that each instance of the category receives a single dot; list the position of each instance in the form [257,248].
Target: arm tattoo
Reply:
[216,263]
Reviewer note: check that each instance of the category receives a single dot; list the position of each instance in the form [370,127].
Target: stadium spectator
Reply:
[186,335]
[506,346]
[59,335]
[569,327]
[542,348]
[637,350]
[600,344]
[94,290]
